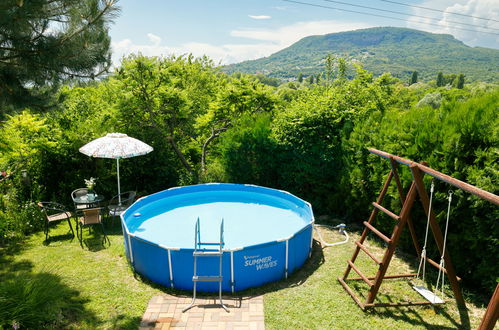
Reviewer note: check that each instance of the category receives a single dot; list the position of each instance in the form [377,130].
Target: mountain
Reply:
[399,51]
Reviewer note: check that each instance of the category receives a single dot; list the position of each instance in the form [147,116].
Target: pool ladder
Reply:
[200,251]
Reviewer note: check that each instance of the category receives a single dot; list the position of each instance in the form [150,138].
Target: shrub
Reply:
[431,99]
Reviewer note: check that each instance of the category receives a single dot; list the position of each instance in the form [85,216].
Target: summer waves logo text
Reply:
[259,262]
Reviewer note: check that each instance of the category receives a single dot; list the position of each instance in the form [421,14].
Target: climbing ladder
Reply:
[207,250]
[374,283]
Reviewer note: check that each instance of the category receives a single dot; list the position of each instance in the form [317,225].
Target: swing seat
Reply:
[430,296]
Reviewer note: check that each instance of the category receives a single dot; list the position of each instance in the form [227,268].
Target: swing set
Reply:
[400,221]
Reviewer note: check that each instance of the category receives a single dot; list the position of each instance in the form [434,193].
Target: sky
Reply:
[231,31]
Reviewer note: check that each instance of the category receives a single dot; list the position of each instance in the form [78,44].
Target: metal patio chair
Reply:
[55,212]
[78,193]
[115,208]
[90,217]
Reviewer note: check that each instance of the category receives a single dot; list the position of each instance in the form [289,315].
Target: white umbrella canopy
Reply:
[116,146]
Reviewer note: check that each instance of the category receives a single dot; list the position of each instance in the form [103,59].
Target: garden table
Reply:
[90,200]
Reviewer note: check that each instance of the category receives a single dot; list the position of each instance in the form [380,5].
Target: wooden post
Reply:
[492,313]
[410,224]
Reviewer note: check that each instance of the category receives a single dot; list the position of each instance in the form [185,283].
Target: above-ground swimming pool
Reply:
[267,235]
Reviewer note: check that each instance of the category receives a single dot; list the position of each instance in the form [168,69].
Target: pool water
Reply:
[245,224]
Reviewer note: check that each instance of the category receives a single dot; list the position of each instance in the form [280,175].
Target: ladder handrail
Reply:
[207,253]
[222,234]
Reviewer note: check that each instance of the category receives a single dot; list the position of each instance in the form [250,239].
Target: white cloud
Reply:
[154,39]
[287,35]
[445,22]
[259,16]
[264,42]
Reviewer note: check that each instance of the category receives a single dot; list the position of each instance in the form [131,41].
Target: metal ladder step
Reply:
[206,278]
[207,253]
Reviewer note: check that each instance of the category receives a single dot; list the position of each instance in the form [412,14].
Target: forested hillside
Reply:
[399,51]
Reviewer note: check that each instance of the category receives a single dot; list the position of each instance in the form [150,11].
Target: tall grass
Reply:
[35,301]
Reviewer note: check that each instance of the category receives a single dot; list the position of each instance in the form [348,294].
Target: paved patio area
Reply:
[165,312]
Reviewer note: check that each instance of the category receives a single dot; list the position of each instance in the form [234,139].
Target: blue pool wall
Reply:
[243,268]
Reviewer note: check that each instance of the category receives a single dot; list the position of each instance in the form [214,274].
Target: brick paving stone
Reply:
[165,312]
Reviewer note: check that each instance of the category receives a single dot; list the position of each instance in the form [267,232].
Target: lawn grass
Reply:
[101,290]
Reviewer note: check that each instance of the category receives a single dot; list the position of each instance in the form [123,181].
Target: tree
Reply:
[342,69]
[43,42]
[414,77]
[329,69]
[237,97]
[300,77]
[440,79]
[311,79]
[164,96]
[460,81]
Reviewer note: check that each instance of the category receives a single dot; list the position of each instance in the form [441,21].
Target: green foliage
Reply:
[300,77]
[25,137]
[399,51]
[235,98]
[268,80]
[431,99]
[310,131]
[414,78]
[329,68]
[440,79]
[342,68]
[45,42]
[17,219]
[159,103]
[460,81]
[248,153]
[459,139]
[34,302]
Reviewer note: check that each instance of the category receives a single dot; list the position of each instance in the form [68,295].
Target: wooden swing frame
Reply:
[418,170]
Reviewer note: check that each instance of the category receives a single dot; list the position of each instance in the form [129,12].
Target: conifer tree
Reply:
[300,77]
[440,79]
[414,77]
[44,42]
[460,81]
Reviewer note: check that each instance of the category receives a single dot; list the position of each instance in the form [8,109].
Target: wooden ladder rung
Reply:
[386,211]
[360,273]
[363,248]
[377,232]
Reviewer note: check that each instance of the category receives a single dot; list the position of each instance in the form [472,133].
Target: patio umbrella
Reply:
[116,146]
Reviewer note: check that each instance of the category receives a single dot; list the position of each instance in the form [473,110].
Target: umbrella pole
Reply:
[118,170]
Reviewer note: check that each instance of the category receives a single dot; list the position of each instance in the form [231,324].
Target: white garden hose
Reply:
[341,229]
